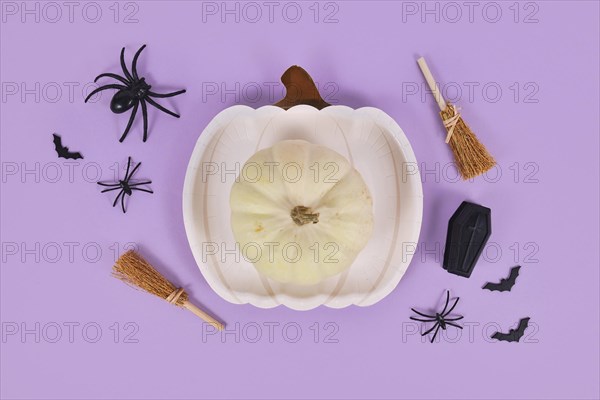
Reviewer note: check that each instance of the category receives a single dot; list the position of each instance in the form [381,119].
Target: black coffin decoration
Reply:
[469,229]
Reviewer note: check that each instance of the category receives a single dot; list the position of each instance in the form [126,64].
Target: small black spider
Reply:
[126,187]
[134,92]
[439,318]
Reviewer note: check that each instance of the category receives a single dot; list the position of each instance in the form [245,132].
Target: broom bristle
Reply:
[132,269]
[471,156]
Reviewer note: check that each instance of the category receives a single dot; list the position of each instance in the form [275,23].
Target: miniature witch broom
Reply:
[472,158]
[132,269]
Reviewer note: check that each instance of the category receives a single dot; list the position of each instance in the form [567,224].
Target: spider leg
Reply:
[112,86]
[123,66]
[128,177]
[129,124]
[128,164]
[147,183]
[451,308]
[161,108]
[134,64]
[447,300]
[422,320]
[114,76]
[123,204]
[421,314]
[142,190]
[435,334]
[117,198]
[111,189]
[163,95]
[453,319]
[454,325]
[108,184]
[432,328]
[145,116]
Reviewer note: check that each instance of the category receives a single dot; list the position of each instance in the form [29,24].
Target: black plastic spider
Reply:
[439,318]
[134,92]
[126,187]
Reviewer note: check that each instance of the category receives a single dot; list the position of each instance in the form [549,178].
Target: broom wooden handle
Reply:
[206,317]
[432,83]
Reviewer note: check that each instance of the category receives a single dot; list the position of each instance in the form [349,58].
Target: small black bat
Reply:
[63,151]
[505,284]
[513,335]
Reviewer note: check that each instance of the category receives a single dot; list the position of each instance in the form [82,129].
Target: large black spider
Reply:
[439,318]
[132,93]
[126,187]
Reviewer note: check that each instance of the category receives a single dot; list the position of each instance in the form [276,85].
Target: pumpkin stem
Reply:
[303,215]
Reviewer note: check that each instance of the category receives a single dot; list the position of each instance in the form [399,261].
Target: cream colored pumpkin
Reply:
[300,213]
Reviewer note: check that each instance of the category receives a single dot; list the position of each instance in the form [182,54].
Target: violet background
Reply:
[550,209]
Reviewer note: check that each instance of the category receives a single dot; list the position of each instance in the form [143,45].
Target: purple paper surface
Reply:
[526,75]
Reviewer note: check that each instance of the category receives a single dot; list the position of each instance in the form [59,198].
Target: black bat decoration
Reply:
[513,335]
[505,284]
[63,151]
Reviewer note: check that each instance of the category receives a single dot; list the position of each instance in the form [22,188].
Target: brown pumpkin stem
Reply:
[303,215]
[300,89]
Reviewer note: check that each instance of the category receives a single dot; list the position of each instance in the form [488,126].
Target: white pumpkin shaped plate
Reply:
[373,144]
